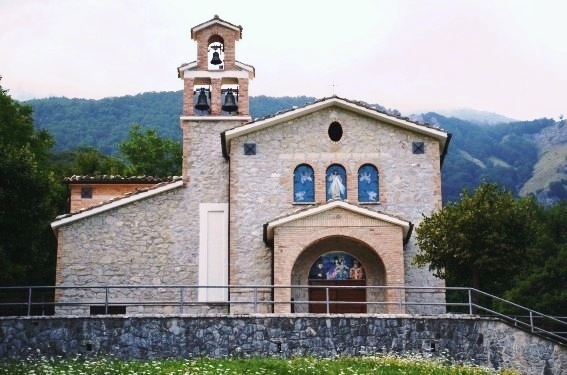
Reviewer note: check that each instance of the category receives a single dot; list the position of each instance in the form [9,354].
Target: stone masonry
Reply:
[156,239]
[136,244]
[261,185]
[482,341]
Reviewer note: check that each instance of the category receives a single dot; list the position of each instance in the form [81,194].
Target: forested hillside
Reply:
[511,154]
[522,156]
[504,153]
[104,123]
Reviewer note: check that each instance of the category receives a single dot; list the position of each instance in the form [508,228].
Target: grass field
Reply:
[386,364]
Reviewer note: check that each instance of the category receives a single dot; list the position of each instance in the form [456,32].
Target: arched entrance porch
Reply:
[299,234]
[345,251]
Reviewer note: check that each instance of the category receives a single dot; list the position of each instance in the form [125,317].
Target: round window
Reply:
[335,131]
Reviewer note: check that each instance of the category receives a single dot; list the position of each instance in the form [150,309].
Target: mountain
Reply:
[476,116]
[527,157]
[104,123]
[549,177]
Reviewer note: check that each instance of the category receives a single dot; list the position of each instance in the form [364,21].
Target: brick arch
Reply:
[373,265]
[375,272]
[381,240]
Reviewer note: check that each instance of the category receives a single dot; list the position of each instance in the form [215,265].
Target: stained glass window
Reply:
[336,182]
[303,184]
[368,184]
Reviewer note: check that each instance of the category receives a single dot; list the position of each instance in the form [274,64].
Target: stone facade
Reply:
[261,189]
[142,243]
[482,341]
[177,235]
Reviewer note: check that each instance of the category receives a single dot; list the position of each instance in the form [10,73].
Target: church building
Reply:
[326,194]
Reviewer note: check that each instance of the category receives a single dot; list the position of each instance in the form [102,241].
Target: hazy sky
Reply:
[508,57]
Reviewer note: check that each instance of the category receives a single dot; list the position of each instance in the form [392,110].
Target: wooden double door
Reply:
[349,291]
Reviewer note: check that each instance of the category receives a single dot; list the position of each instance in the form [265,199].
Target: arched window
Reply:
[368,184]
[303,184]
[336,182]
[215,53]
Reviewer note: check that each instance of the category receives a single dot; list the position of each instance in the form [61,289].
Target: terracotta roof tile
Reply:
[359,103]
[123,196]
[218,19]
[117,179]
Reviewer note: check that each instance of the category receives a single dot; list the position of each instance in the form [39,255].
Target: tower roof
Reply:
[215,21]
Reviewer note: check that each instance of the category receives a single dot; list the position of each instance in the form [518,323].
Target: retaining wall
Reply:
[484,341]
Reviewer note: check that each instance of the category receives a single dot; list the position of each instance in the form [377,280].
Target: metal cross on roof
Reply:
[334,85]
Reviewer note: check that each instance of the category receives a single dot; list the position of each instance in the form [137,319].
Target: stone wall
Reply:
[483,341]
[155,241]
[152,241]
[261,185]
[146,242]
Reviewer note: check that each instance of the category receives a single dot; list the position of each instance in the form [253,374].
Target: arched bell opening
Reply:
[304,272]
[229,97]
[202,100]
[215,52]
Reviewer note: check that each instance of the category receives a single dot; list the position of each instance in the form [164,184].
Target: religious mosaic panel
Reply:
[337,265]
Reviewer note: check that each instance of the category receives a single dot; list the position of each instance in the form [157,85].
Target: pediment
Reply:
[336,214]
[440,135]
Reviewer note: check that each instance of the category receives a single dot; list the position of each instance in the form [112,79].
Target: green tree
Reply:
[483,241]
[544,288]
[87,161]
[29,196]
[149,154]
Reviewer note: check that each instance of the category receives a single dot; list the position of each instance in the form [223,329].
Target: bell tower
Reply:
[216,84]
[215,98]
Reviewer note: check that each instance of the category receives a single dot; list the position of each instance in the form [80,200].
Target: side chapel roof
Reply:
[136,195]
[361,108]
[117,179]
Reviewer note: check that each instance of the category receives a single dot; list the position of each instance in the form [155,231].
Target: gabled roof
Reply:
[122,200]
[116,179]
[269,227]
[215,20]
[335,101]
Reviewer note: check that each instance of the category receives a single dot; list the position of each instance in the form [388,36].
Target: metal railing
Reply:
[44,300]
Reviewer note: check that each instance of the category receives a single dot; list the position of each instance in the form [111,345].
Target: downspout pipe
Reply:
[227,158]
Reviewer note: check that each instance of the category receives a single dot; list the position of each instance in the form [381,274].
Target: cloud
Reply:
[505,57]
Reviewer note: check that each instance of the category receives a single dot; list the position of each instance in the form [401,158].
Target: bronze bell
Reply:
[202,103]
[229,102]
[216,59]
